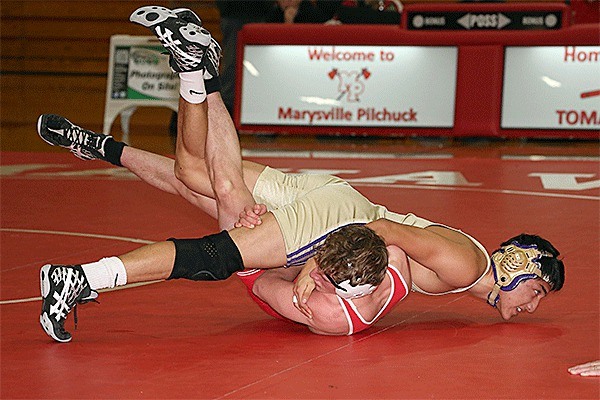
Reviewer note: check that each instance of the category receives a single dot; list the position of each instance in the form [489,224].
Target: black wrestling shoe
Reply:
[62,287]
[188,15]
[212,60]
[180,32]
[59,131]
[213,55]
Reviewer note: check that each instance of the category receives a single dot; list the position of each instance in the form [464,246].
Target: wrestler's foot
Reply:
[188,15]
[212,60]
[59,131]
[62,287]
[213,52]
[180,32]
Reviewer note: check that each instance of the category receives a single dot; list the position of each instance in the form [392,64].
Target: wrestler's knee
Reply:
[188,169]
[225,190]
[211,258]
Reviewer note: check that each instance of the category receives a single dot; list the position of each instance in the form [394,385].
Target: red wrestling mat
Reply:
[209,340]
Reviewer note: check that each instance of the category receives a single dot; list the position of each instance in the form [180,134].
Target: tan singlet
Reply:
[310,207]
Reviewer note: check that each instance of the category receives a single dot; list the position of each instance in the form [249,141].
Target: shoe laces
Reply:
[77,135]
[82,301]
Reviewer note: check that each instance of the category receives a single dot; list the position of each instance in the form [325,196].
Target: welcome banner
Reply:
[366,86]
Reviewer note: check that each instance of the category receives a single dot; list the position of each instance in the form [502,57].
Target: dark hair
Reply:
[355,253]
[552,268]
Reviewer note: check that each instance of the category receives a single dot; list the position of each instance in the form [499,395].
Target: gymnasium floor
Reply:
[210,341]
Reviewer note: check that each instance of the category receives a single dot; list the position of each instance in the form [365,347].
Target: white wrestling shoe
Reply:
[180,31]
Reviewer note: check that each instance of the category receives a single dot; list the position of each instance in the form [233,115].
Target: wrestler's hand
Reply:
[302,291]
[250,217]
[303,287]
[588,369]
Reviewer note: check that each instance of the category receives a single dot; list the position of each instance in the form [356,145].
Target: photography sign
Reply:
[142,72]
[138,76]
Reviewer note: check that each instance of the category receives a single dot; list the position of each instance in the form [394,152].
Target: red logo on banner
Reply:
[591,93]
[350,83]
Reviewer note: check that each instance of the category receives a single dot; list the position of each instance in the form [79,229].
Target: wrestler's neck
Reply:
[483,288]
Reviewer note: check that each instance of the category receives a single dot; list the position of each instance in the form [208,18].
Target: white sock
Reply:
[106,273]
[191,86]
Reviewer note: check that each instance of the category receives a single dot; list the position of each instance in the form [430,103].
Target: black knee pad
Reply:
[211,258]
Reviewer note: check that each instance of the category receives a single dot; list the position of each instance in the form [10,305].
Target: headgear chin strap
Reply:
[346,291]
[513,264]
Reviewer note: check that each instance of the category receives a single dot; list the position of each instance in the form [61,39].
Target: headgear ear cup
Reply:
[347,291]
[513,264]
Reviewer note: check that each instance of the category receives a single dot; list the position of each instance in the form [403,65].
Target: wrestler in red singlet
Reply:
[356,322]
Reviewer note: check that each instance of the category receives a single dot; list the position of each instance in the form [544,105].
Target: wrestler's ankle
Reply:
[105,273]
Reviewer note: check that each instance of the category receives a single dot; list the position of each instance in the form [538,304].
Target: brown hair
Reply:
[355,253]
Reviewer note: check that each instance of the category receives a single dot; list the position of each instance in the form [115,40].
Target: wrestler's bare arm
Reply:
[456,263]
[304,286]
[275,288]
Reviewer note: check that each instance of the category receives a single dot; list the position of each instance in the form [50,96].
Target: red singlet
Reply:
[356,322]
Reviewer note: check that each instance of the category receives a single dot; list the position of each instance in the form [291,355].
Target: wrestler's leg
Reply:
[148,263]
[213,257]
[158,171]
[223,158]
[192,130]
[153,169]
[64,286]
[206,135]
[207,139]
[190,47]
[263,246]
